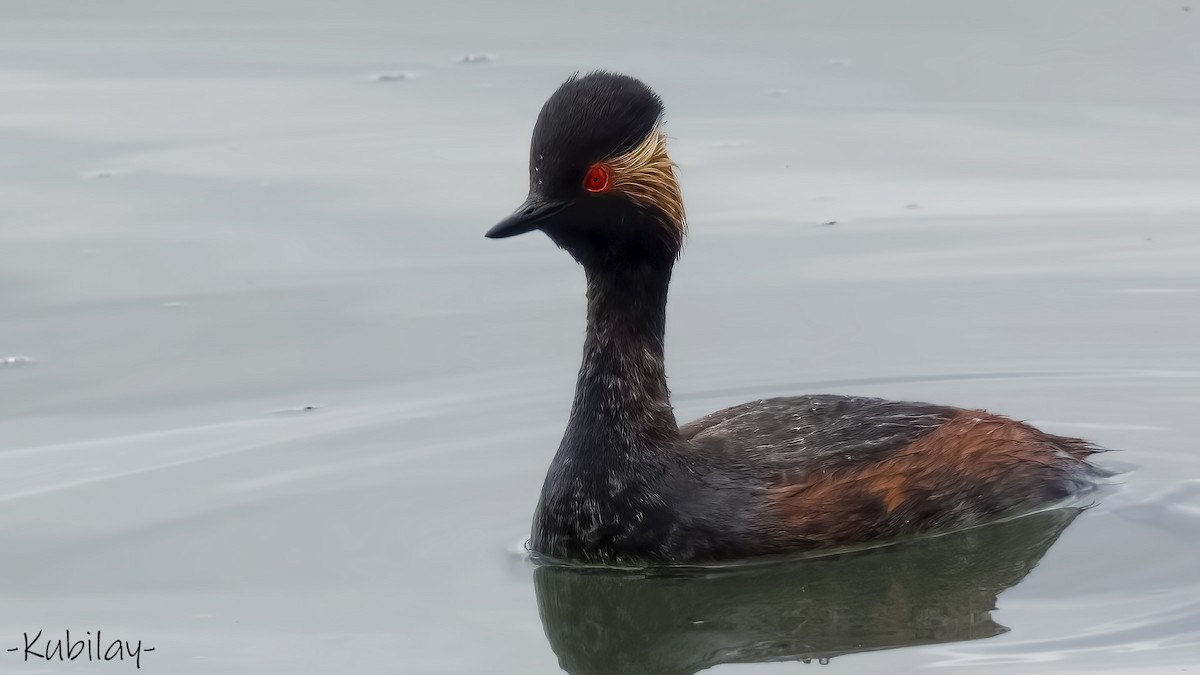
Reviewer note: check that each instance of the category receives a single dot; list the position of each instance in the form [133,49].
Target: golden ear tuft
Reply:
[645,175]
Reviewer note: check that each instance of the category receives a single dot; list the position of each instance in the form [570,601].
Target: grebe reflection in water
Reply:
[920,592]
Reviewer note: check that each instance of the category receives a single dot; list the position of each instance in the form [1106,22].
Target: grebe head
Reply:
[600,182]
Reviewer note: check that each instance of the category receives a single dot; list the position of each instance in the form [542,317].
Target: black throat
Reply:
[622,406]
[608,492]
[611,490]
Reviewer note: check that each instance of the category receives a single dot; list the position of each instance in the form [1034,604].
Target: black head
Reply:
[600,181]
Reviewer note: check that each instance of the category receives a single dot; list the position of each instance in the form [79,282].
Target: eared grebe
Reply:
[770,476]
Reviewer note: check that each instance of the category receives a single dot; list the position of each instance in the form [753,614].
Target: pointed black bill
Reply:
[528,217]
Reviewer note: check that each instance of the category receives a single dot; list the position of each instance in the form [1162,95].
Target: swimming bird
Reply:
[776,475]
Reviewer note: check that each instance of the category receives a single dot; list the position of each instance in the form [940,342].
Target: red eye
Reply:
[596,179]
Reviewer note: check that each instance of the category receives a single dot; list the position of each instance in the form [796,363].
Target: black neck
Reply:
[622,404]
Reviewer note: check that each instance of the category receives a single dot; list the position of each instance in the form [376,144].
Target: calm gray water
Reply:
[215,215]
